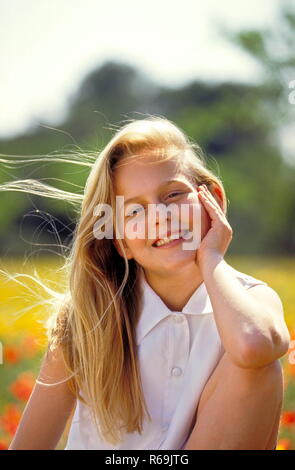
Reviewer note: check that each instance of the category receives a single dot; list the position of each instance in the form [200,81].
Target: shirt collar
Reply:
[153,309]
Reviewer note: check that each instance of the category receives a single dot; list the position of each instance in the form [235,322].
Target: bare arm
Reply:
[251,324]
[48,408]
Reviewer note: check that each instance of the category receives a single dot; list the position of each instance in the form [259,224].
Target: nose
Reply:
[160,220]
[161,212]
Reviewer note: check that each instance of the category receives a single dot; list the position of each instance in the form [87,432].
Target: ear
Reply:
[118,248]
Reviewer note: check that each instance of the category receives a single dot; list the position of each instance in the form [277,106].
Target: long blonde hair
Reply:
[96,320]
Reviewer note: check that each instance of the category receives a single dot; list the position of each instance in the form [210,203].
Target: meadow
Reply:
[23,337]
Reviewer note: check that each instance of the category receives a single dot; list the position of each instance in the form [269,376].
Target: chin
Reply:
[177,264]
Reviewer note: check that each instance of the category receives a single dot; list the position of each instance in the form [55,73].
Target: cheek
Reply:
[197,214]
[134,245]
[202,219]
[134,235]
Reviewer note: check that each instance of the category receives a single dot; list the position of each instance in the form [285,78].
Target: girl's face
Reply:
[152,184]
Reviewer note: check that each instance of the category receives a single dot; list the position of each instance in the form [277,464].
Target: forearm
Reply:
[243,325]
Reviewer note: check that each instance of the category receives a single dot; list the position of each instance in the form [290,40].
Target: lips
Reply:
[167,236]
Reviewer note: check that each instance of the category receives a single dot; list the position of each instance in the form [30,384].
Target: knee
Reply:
[270,376]
[270,372]
[273,369]
[274,375]
[268,380]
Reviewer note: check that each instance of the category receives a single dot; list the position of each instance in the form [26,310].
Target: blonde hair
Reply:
[95,323]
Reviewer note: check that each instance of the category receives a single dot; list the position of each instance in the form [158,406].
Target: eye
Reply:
[175,192]
[135,210]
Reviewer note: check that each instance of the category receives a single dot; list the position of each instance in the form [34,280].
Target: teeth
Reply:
[164,241]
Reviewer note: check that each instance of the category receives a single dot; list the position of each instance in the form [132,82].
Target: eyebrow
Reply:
[165,183]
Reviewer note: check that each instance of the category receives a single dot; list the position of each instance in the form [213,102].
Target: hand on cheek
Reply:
[219,235]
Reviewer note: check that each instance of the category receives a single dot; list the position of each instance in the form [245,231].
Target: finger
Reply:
[211,209]
[212,199]
[210,196]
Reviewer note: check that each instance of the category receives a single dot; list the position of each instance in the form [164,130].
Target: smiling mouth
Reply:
[170,241]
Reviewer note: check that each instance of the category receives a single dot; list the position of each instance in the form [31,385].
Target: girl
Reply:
[156,346]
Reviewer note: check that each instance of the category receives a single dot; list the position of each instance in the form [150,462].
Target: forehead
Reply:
[140,175]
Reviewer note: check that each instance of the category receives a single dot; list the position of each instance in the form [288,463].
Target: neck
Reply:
[176,289]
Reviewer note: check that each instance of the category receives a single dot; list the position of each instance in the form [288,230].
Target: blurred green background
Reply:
[237,125]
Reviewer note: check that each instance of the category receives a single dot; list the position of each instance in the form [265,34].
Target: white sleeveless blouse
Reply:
[178,352]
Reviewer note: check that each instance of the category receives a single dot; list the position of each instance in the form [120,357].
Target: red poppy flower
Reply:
[288,418]
[23,386]
[11,353]
[284,444]
[10,418]
[3,444]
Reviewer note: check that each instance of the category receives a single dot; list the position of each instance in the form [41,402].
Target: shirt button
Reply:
[165,427]
[178,318]
[176,371]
